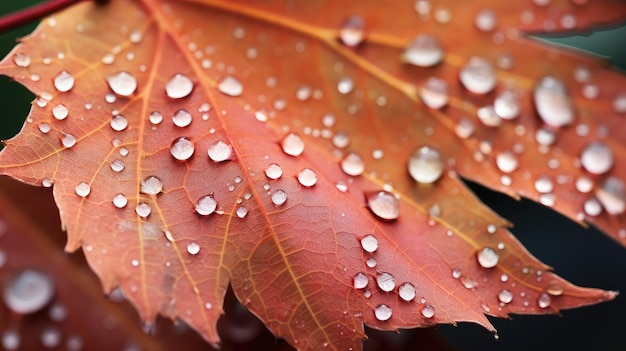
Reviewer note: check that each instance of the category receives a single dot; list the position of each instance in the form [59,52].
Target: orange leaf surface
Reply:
[309,155]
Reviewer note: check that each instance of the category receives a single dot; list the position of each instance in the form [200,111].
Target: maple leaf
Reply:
[312,162]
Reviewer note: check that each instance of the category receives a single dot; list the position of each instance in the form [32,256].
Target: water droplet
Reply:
[303,93]
[543,184]
[584,184]
[156,117]
[292,144]
[328,120]
[386,282]
[273,171]
[487,115]
[486,20]
[507,161]
[424,51]
[44,127]
[307,177]
[384,205]
[50,337]
[426,165]
[552,102]
[28,292]
[352,164]
[120,201]
[369,243]
[134,263]
[182,118]
[179,86]
[230,86]
[182,149]
[64,81]
[21,59]
[341,140]
[11,339]
[428,311]
[555,290]
[82,189]
[352,32]
[544,300]
[434,93]
[119,123]
[193,248]
[242,212]
[371,262]
[360,281]
[74,343]
[122,83]
[117,166]
[507,105]
[219,151]
[136,36]
[478,76]
[279,197]
[505,296]
[547,199]
[597,158]
[406,291]
[465,128]
[60,112]
[487,257]
[143,209]
[206,205]
[456,273]
[382,312]
[345,85]
[592,207]
[151,185]
[619,103]
[612,195]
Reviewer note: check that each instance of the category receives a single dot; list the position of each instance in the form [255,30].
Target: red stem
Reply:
[33,13]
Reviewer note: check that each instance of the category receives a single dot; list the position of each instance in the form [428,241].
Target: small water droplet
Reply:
[120,201]
[303,92]
[428,311]
[544,300]
[273,171]
[360,281]
[307,177]
[382,312]
[279,197]
[64,81]
[156,117]
[487,115]
[352,33]
[584,184]
[507,161]
[592,207]
[597,158]
[619,103]
[292,144]
[384,205]
[369,243]
[507,105]
[555,290]
[151,185]
[50,337]
[407,291]
[182,149]
[456,273]
[230,86]
[28,292]
[487,257]
[486,20]
[386,282]
[345,85]
[371,262]
[352,164]
[612,195]
[426,165]
[219,151]
[543,184]
[552,102]
[182,118]
[242,212]
[117,166]
[206,205]
[179,86]
[193,248]
[424,51]
[341,140]
[21,59]
[119,123]
[44,127]
[60,112]
[82,189]
[143,209]
[136,36]
[122,83]
[464,128]
[505,296]
[11,339]
[478,76]
[434,93]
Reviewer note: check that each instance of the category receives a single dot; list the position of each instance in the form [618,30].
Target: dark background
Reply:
[584,256]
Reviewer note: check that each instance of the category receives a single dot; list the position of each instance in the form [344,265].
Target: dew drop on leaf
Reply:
[487,115]
[242,212]
[179,86]
[583,184]
[505,296]
[219,151]
[352,164]
[612,195]
[382,312]
[206,205]
[478,76]
[341,140]
[50,337]
[345,85]
[28,292]
[352,32]
[486,20]
[273,171]
[406,291]
[507,105]
[507,161]
[182,149]
[552,102]
[428,311]
[360,281]
[230,86]
[544,184]
[60,112]
[487,257]
[82,189]
[44,127]
[193,248]
[386,282]
[182,118]
[384,205]
[545,137]
[151,185]
[21,59]
[279,197]
[423,51]
[371,262]
[156,117]
[544,300]
[426,165]
[464,128]
[592,207]
[143,209]
[619,103]
[64,81]
[597,158]
[434,93]
[119,123]
[307,177]
[11,339]
[120,201]
[122,83]
[369,243]
[117,166]
[292,144]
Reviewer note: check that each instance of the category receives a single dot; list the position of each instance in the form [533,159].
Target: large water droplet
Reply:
[307,177]
[552,102]
[507,105]
[64,81]
[369,243]
[60,112]
[182,149]
[292,144]
[193,248]
[386,282]
[505,296]
[612,195]
[352,32]
[120,201]
[206,205]
[119,123]
[242,212]
[352,164]
[384,205]
[21,59]
[597,158]
[507,161]
[122,83]
[273,171]
[219,151]
[151,185]
[434,93]
[407,291]
[230,86]
[179,86]
[382,312]
[478,76]
[487,257]
[182,118]
[426,165]
[424,50]
[83,189]
[279,197]
[360,281]
[28,292]
[428,311]
[544,300]
[143,209]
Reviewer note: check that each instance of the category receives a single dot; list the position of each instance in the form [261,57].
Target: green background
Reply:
[585,257]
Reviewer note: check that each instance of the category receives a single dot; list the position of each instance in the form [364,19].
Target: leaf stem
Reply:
[33,13]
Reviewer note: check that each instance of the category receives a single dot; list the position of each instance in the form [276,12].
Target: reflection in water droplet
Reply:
[384,205]
[230,86]
[179,86]
[424,51]
[82,189]
[352,31]
[478,76]
[352,164]
[182,118]
[552,102]
[386,282]
[369,243]
[219,151]
[487,257]
[597,158]
[28,292]
[193,248]
[307,177]
[434,93]
[426,165]
[279,197]
[182,149]
[360,281]
[64,81]
[120,201]
[206,205]
[292,144]
[406,291]
[382,312]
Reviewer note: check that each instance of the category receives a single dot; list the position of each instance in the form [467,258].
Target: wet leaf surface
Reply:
[313,162]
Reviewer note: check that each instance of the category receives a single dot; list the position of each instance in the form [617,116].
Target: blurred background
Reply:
[583,256]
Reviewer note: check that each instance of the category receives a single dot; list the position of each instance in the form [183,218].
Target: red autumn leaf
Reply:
[309,155]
